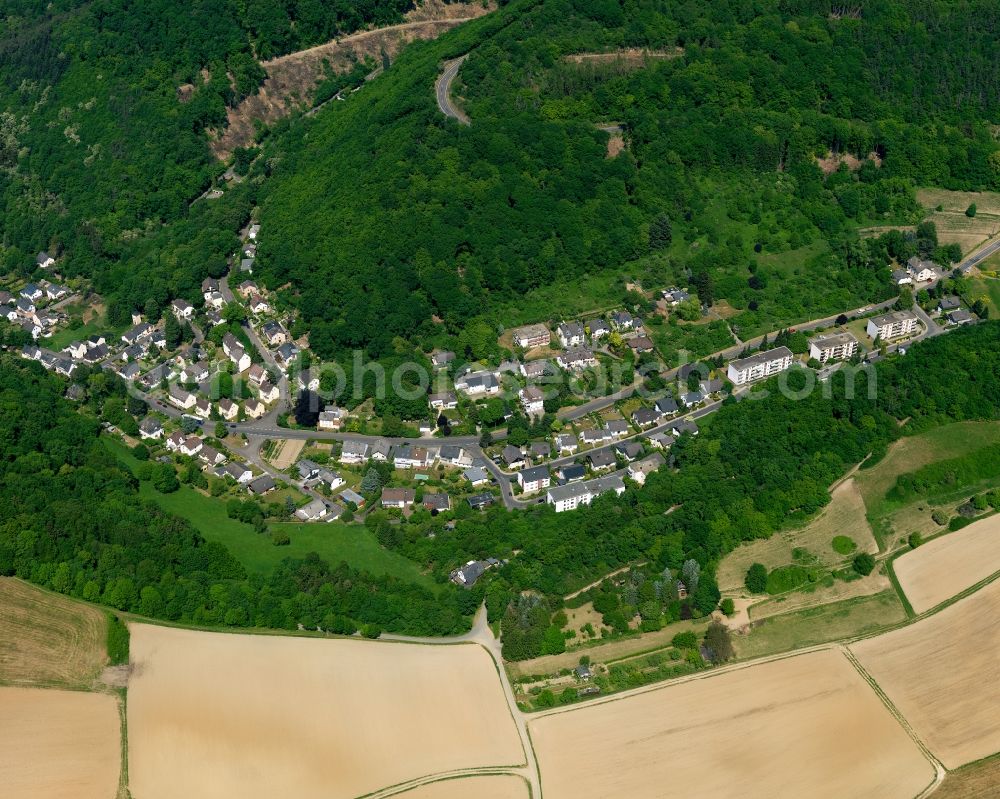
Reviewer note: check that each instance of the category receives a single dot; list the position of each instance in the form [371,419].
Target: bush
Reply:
[971,211]
[915,540]
[843,545]
[786,578]
[756,579]
[863,564]
[939,517]
[727,606]
[117,640]
[958,523]
[280,538]
[685,640]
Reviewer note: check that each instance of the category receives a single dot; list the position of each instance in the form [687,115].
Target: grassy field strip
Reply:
[487,783]
[977,780]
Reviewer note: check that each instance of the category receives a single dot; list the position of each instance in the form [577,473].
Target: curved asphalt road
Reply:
[442,88]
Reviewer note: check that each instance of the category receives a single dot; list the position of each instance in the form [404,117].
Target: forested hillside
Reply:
[104,107]
[722,142]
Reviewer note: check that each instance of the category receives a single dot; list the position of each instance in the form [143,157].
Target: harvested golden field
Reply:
[58,744]
[490,787]
[949,564]
[943,676]
[801,726]
[47,639]
[975,781]
[844,515]
[213,714]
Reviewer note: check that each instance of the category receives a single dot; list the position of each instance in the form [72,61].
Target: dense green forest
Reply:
[71,517]
[100,145]
[722,148]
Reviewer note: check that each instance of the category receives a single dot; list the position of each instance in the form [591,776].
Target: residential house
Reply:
[247,288]
[640,344]
[480,501]
[566,444]
[192,446]
[534,479]
[759,365]
[246,265]
[174,441]
[215,300]
[454,455]
[571,472]
[76,350]
[513,457]
[616,428]
[601,459]
[691,398]
[129,371]
[629,450]
[622,320]
[214,318]
[901,277]
[208,285]
[254,409]
[476,475]
[55,292]
[273,333]
[534,369]
[312,511]
[571,334]
[478,383]
[893,325]
[211,456]
[307,469]
[354,452]
[675,296]
[594,437]
[568,497]
[96,354]
[539,450]
[532,400]
[150,427]
[597,328]
[181,398]
[330,478]
[437,503]
[307,380]
[194,372]
[202,407]
[666,406]
[833,347]
[252,232]
[331,418]
[268,392]
[182,309]
[258,304]
[921,270]
[229,410]
[44,260]
[441,359]
[409,457]
[639,470]
[8,313]
[713,386]
[443,401]
[261,485]
[472,571]
[154,376]
[137,333]
[682,426]
[239,472]
[577,360]
[960,317]
[24,306]
[645,417]
[240,358]
[257,374]
[286,354]
[950,303]
[397,497]
[381,450]
[426,427]
[32,292]
[531,336]
[608,483]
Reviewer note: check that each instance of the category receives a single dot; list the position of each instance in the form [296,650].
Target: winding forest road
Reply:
[442,88]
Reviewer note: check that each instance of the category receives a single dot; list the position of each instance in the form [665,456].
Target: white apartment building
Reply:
[893,325]
[569,496]
[759,366]
[835,347]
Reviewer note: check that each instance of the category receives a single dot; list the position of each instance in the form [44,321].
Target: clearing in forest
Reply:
[948,565]
[47,639]
[844,515]
[943,676]
[58,744]
[952,223]
[259,716]
[807,725]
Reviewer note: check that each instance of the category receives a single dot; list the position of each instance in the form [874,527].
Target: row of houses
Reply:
[405,456]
